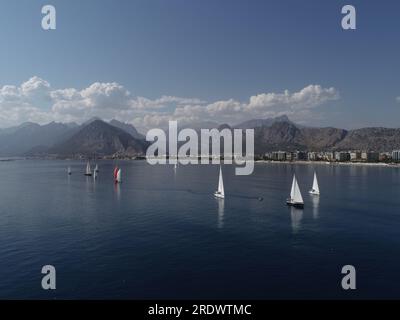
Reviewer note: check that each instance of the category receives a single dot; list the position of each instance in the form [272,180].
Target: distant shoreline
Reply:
[368,164]
[302,162]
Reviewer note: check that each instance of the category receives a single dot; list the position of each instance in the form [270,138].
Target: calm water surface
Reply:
[161,233]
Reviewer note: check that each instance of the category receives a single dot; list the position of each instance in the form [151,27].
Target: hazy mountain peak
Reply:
[255,123]
[101,138]
[28,124]
[282,118]
[224,126]
[127,128]
[91,120]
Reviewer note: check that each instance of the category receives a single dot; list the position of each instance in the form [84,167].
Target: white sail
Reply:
[69,170]
[221,183]
[88,170]
[292,189]
[315,183]
[297,198]
[96,168]
[119,176]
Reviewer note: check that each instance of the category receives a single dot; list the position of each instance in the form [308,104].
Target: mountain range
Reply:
[288,136]
[101,138]
[93,137]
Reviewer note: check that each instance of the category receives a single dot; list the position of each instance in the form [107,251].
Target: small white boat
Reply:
[295,200]
[96,169]
[220,193]
[176,166]
[315,187]
[69,171]
[88,171]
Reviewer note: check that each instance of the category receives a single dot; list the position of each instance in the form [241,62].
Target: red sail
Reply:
[115,173]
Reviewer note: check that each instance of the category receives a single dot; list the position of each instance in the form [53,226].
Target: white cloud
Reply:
[298,104]
[307,98]
[21,103]
[35,100]
[163,102]
[35,87]
[96,97]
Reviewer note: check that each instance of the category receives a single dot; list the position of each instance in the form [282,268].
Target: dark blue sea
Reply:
[162,234]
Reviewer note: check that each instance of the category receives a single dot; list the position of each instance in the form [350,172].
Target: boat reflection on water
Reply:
[117,190]
[88,184]
[296,215]
[315,205]
[94,181]
[221,209]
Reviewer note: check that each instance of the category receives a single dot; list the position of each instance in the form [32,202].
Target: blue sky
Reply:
[198,60]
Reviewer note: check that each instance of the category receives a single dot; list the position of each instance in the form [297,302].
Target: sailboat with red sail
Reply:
[117,175]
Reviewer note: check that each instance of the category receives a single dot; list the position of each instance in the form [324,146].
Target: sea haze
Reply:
[162,234]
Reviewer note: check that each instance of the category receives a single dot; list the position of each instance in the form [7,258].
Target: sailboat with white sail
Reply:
[88,171]
[315,187]
[117,175]
[96,168]
[295,200]
[69,171]
[220,193]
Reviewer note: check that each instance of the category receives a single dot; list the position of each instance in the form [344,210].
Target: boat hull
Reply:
[313,192]
[88,174]
[219,195]
[295,204]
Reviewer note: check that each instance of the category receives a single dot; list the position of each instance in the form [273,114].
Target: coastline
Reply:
[303,162]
